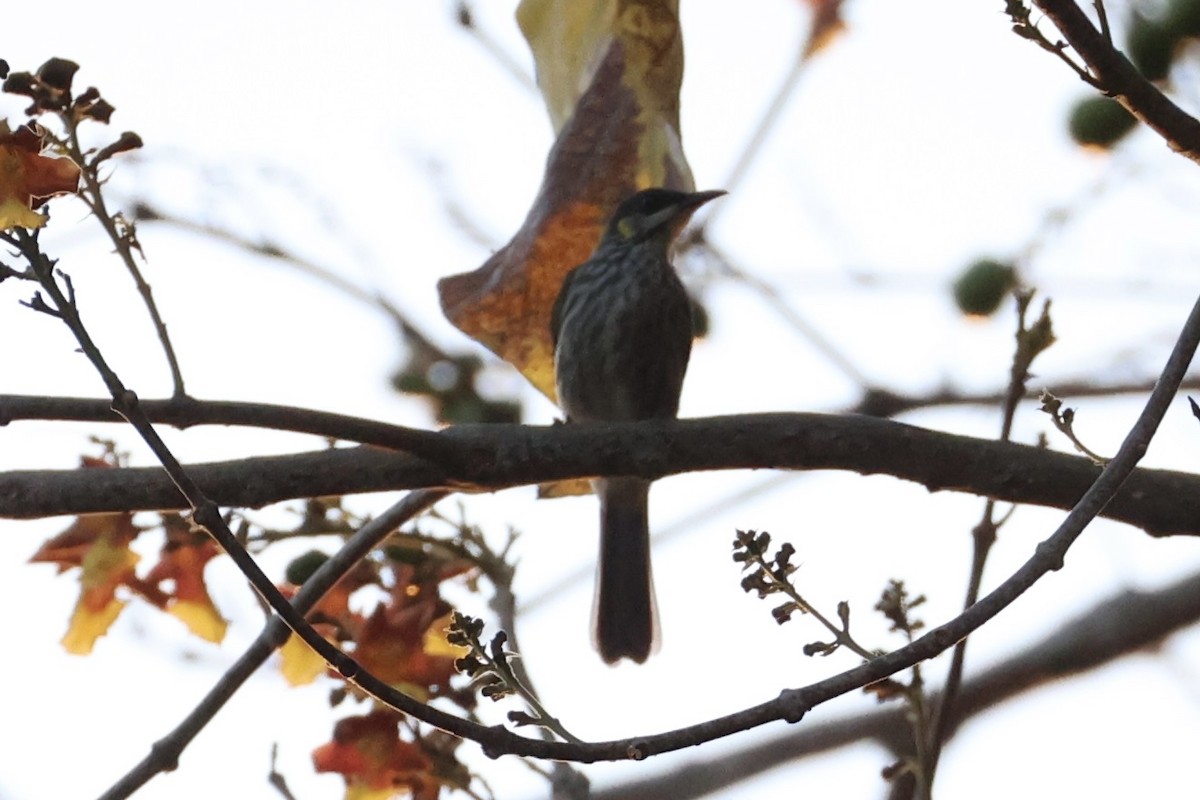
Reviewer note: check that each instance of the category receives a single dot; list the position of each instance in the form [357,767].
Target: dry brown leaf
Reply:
[827,25]
[609,71]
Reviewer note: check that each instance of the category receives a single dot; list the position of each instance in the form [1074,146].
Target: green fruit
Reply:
[1183,18]
[1150,45]
[1100,122]
[413,555]
[302,567]
[982,286]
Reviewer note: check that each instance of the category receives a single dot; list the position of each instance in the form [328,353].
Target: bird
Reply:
[621,326]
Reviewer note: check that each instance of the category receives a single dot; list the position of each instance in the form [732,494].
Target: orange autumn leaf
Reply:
[375,762]
[182,561]
[28,178]
[99,544]
[67,549]
[609,72]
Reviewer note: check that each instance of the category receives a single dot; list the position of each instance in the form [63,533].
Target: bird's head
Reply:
[655,213]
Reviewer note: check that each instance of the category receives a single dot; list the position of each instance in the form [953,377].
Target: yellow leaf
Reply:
[15,214]
[89,624]
[202,619]
[564,37]
[360,791]
[300,665]
[435,643]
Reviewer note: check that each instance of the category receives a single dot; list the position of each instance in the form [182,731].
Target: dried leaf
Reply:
[610,72]
[28,178]
[827,25]
[89,623]
[182,560]
[99,544]
[375,762]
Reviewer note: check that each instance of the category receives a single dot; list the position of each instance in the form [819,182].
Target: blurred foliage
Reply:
[451,384]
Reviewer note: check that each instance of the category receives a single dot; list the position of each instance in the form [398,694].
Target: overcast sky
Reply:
[925,138]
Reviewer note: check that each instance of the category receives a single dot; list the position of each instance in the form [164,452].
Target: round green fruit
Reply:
[302,567]
[1100,122]
[1150,45]
[982,286]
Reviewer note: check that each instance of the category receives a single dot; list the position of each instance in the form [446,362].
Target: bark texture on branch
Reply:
[490,457]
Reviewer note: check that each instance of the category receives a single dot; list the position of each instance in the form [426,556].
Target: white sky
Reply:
[923,139]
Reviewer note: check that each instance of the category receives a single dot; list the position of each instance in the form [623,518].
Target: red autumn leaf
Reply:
[394,646]
[403,641]
[182,561]
[369,753]
[28,178]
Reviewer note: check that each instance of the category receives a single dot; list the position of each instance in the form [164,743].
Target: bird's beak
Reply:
[697,199]
[676,216]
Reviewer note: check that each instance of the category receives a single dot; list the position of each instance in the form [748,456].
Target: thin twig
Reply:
[1022,25]
[413,336]
[772,298]
[1102,15]
[515,70]
[1029,344]
[206,513]
[766,123]
[164,754]
[121,234]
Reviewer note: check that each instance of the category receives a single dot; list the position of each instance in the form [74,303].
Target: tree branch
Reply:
[1119,626]
[1119,78]
[186,412]
[490,457]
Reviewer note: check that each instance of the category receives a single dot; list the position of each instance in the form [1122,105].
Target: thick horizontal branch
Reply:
[489,457]
[1119,626]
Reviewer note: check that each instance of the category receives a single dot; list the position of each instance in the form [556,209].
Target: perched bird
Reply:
[622,332]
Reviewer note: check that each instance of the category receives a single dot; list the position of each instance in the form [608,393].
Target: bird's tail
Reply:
[624,613]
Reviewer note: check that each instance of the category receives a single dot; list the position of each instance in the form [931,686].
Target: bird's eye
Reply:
[627,227]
